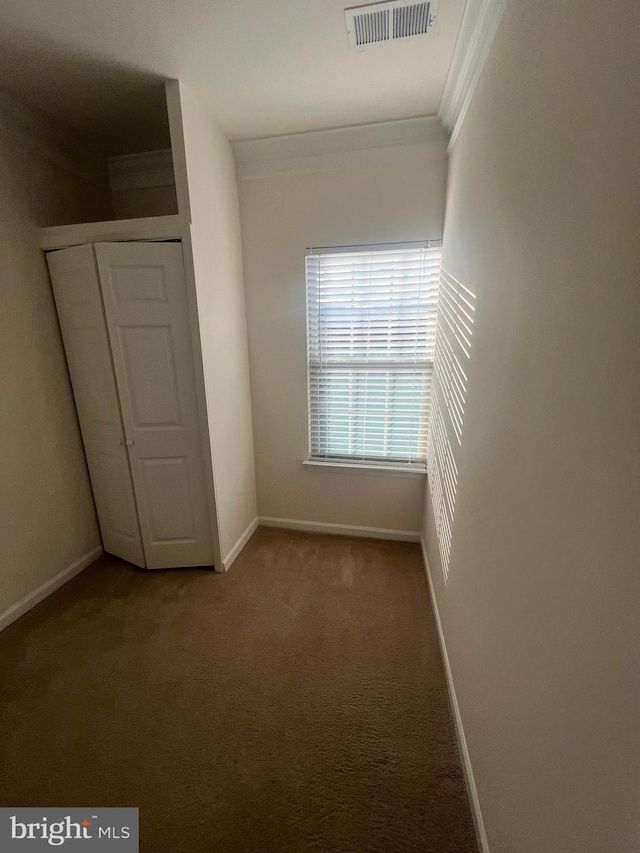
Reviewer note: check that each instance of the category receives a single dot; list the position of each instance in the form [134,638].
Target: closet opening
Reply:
[125,159]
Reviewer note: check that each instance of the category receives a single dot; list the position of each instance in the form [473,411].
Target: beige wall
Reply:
[280,218]
[541,609]
[47,518]
[213,201]
[144,201]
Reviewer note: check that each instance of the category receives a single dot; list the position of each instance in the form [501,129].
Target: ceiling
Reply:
[267,67]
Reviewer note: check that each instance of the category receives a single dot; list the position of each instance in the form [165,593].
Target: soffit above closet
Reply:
[266,68]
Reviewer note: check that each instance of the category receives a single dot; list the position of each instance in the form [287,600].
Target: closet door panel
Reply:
[150,367]
[80,312]
[148,320]
[167,492]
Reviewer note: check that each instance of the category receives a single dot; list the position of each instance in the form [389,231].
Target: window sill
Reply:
[364,468]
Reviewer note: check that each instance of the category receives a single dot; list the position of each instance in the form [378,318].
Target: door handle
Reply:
[129,442]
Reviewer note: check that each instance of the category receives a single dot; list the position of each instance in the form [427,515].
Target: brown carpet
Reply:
[297,703]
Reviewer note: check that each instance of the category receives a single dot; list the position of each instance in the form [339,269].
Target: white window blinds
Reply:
[371,317]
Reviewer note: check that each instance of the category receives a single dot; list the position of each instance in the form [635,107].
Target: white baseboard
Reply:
[21,607]
[242,541]
[457,719]
[340,529]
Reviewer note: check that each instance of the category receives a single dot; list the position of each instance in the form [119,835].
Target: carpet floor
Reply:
[296,703]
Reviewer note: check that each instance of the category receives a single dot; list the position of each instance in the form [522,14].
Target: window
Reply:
[371,319]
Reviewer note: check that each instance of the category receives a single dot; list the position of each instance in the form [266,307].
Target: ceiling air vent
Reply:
[379,23]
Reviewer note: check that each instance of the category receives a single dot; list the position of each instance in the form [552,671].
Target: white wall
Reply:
[47,518]
[280,217]
[210,194]
[540,612]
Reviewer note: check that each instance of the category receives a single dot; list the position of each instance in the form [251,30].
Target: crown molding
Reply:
[477,30]
[26,128]
[340,149]
[141,171]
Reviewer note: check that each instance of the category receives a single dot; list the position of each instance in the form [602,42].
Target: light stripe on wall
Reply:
[454,332]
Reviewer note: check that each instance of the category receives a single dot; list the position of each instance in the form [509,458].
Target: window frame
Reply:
[354,464]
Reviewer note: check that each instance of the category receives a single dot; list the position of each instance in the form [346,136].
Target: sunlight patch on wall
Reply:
[454,331]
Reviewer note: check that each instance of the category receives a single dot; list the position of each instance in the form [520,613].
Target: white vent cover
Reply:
[377,23]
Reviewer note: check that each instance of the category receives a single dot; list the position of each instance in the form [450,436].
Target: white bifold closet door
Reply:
[86,343]
[144,302]
[147,313]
